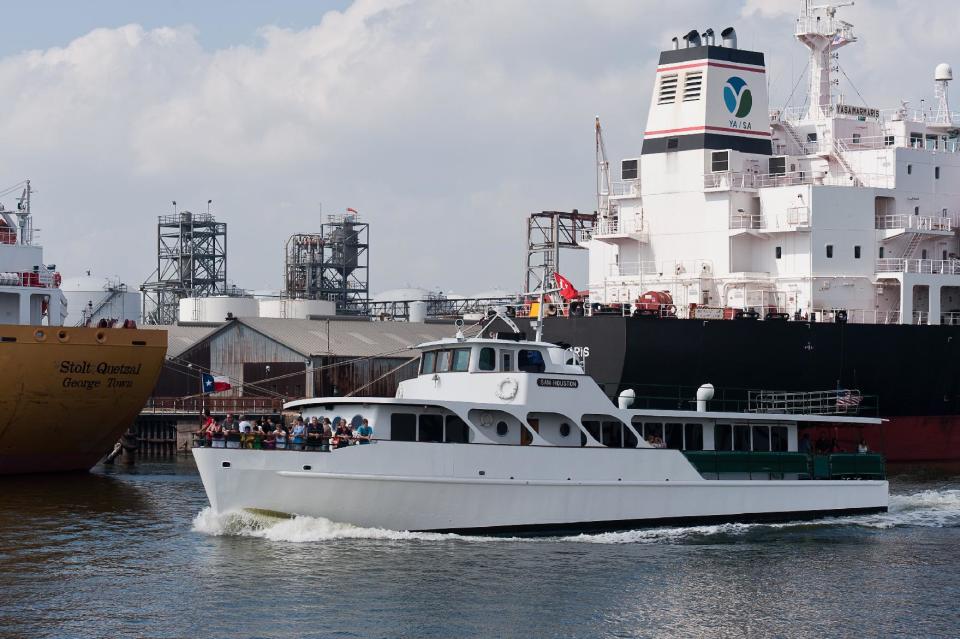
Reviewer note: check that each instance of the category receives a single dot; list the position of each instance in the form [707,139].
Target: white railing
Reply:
[835,402]
[792,217]
[38,279]
[621,225]
[661,269]
[933,267]
[730,180]
[914,222]
[629,188]
[927,115]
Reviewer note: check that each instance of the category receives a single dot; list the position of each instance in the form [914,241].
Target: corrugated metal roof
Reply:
[347,338]
[182,338]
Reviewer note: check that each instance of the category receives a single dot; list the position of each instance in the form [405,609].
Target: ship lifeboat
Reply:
[655,304]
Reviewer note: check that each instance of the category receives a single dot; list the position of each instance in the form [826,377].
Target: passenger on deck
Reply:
[280,437]
[269,440]
[314,431]
[862,447]
[364,432]
[216,435]
[343,434]
[206,422]
[246,436]
[326,435]
[299,434]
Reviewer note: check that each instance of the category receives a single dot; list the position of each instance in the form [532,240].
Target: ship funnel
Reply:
[676,43]
[704,395]
[692,39]
[626,399]
[729,36]
[709,37]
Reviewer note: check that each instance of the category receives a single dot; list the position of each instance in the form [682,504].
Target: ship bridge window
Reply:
[488,359]
[720,161]
[668,89]
[428,362]
[443,361]
[931,142]
[777,165]
[403,427]
[916,140]
[431,428]
[530,361]
[628,170]
[461,360]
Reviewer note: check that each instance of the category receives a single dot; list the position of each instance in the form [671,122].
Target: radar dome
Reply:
[943,72]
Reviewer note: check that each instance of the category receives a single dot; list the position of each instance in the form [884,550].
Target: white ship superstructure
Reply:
[29,289]
[805,211]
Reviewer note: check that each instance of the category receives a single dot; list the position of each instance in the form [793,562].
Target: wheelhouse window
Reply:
[431,428]
[443,361]
[530,361]
[428,362]
[460,360]
[741,437]
[723,437]
[488,359]
[506,361]
[761,438]
[403,427]
[673,436]
[778,439]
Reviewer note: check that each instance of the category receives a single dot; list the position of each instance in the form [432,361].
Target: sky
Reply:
[444,123]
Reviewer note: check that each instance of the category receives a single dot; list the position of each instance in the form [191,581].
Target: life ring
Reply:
[57,280]
[507,389]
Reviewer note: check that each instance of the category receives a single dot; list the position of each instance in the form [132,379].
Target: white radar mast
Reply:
[819,29]
[943,120]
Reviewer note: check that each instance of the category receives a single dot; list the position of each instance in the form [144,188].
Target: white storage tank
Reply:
[96,298]
[418,312]
[217,308]
[296,309]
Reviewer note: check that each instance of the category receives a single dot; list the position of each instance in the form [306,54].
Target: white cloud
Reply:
[445,123]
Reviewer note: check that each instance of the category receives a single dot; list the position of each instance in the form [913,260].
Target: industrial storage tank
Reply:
[296,308]
[94,298]
[217,308]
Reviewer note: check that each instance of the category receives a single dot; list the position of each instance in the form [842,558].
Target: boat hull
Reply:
[439,487]
[70,392]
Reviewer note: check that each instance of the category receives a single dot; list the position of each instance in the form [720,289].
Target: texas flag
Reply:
[214,384]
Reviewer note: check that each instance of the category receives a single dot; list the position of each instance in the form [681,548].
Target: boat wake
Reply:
[928,508]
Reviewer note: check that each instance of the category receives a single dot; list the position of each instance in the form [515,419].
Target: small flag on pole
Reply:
[214,384]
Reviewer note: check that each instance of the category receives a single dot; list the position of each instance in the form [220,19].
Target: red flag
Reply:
[567,290]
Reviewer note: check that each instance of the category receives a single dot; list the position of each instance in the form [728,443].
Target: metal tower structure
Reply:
[332,264]
[547,233]
[191,262]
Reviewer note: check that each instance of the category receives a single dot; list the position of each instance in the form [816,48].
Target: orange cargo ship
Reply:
[67,393]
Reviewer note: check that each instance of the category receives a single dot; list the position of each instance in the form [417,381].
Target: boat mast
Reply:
[603,174]
[822,33]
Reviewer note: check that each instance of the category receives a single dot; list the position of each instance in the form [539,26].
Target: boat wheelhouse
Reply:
[510,435]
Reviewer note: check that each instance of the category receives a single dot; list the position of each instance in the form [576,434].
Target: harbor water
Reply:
[135,552]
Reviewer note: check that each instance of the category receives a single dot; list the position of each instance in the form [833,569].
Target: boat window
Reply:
[461,360]
[673,436]
[443,361]
[652,431]
[488,359]
[403,427]
[530,361]
[593,428]
[722,437]
[720,161]
[564,429]
[612,434]
[778,439]
[693,436]
[761,438]
[629,439]
[741,437]
[428,362]
[456,430]
[506,358]
[431,428]
[502,429]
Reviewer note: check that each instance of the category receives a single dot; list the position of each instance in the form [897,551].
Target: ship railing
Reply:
[30,279]
[196,405]
[925,116]
[735,180]
[842,401]
[623,224]
[259,441]
[914,222]
[682,269]
[936,142]
[792,217]
[931,267]
[627,188]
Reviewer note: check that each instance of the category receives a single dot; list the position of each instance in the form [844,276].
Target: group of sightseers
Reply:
[264,433]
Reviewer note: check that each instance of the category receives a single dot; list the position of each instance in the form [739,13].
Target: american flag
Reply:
[849,400]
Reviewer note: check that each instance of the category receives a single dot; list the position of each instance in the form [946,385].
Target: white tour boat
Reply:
[508,435]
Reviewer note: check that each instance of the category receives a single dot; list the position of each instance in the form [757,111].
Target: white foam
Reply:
[928,508]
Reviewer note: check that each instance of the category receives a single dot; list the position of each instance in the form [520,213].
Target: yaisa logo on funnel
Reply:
[738,99]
